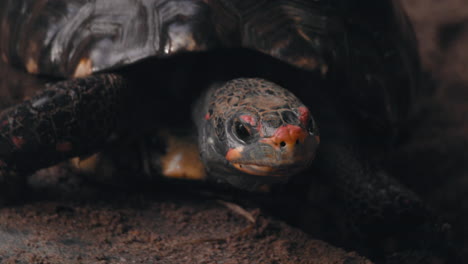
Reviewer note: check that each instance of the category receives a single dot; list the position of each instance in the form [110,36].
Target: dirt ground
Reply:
[155,231]
[95,226]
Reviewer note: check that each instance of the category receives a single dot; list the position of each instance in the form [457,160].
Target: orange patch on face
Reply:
[234,154]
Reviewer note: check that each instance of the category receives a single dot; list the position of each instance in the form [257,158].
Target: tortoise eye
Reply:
[241,131]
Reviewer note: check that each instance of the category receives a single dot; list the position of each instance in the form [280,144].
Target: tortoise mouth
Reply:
[267,170]
[267,157]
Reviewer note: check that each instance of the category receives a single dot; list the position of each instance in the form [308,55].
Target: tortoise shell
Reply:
[366,49]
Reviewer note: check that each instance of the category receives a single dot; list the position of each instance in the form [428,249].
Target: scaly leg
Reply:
[377,209]
[66,119]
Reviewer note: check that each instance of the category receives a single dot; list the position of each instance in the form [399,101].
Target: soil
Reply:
[156,231]
[91,225]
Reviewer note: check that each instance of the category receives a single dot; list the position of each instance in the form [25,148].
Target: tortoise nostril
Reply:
[297,142]
[282,143]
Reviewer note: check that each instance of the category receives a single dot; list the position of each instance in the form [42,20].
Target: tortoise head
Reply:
[258,129]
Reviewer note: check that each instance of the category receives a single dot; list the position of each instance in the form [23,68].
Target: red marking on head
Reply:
[249,119]
[207,116]
[289,134]
[63,146]
[18,141]
[2,163]
[304,115]
[4,123]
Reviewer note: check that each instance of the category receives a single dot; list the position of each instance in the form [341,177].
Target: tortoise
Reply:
[258,80]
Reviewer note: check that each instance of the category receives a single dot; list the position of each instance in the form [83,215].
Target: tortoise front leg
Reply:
[66,119]
[380,211]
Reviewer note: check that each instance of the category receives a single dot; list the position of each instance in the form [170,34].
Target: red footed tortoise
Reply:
[253,82]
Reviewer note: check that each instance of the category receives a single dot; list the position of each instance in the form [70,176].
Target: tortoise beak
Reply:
[290,150]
